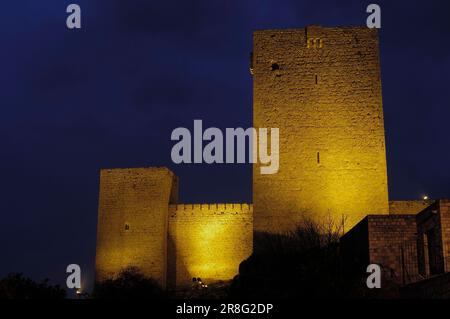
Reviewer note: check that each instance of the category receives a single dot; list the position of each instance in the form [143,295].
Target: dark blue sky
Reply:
[110,94]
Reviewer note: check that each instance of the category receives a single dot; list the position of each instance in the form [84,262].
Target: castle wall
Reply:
[399,207]
[132,221]
[325,97]
[386,240]
[409,248]
[208,241]
[392,245]
[433,230]
[444,216]
[354,247]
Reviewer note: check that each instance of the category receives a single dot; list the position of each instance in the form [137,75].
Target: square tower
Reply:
[321,87]
[133,221]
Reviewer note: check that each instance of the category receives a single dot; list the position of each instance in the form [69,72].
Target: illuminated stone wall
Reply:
[208,241]
[399,207]
[325,97]
[139,225]
[132,221]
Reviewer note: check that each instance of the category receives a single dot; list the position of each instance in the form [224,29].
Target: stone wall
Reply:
[321,87]
[386,240]
[208,241]
[355,249]
[139,227]
[408,247]
[392,245]
[433,228]
[444,215]
[399,207]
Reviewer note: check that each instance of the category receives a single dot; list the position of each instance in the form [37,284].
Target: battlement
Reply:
[129,172]
[208,241]
[338,34]
[233,208]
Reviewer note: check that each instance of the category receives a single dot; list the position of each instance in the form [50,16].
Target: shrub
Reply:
[129,284]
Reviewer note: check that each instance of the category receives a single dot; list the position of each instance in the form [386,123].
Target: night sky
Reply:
[109,95]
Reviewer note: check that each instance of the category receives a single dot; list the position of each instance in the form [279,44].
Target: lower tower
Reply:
[133,221]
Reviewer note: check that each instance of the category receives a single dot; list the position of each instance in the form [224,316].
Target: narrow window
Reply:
[318,158]
[316,78]
[127,227]
[316,43]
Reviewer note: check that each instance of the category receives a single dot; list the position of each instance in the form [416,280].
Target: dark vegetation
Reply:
[305,263]
[16,286]
[301,263]
[129,284]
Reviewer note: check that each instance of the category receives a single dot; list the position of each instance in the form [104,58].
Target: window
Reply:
[315,43]
[127,227]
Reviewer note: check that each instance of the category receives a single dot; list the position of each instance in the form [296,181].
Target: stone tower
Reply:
[133,221]
[141,225]
[321,87]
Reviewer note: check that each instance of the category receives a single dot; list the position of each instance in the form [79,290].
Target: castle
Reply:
[321,87]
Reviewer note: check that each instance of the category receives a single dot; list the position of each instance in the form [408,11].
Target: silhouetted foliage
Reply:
[16,286]
[304,263]
[129,284]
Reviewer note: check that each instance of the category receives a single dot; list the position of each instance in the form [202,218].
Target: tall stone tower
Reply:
[321,87]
